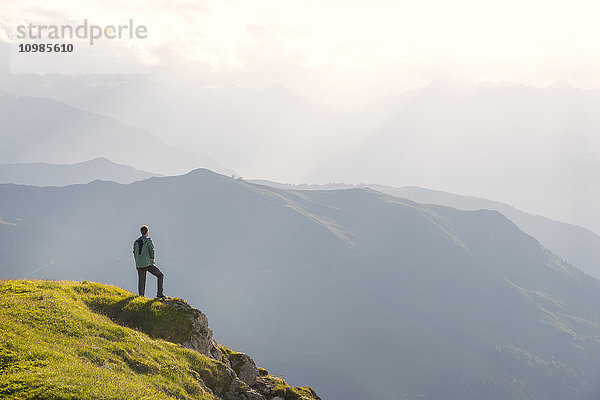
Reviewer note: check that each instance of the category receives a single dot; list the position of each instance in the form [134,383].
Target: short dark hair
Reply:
[144,229]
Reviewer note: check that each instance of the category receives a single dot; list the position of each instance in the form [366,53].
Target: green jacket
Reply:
[145,254]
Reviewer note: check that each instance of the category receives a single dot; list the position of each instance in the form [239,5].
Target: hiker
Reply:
[143,253]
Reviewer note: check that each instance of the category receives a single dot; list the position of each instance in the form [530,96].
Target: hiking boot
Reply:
[160,296]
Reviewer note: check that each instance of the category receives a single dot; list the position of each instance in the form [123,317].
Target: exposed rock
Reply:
[274,388]
[247,382]
[201,337]
[262,387]
[240,391]
[216,353]
[244,367]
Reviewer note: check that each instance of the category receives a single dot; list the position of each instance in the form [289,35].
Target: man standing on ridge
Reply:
[143,253]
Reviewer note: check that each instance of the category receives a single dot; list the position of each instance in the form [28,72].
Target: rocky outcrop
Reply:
[248,382]
[200,336]
[241,363]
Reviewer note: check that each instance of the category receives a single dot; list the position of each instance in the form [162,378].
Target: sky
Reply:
[345,53]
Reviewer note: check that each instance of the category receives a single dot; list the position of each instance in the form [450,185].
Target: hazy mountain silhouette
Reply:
[573,243]
[362,294]
[245,129]
[43,130]
[577,245]
[534,148]
[44,174]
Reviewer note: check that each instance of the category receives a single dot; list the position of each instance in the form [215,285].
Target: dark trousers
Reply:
[153,269]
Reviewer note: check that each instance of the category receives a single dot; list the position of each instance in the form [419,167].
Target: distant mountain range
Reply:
[43,130]
[245,129]
[363,294]
[44,174]
[575,244]
[535,148]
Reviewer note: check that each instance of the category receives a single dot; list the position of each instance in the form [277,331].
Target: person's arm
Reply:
[151,250]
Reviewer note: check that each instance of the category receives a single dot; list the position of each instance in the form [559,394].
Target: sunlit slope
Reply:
[71,340]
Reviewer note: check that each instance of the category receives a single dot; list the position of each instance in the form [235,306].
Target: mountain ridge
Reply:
[462,140]
[575,244]
[89,134]
[47,174]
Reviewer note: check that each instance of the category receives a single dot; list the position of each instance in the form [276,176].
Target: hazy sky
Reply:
[348,53]
[344,52]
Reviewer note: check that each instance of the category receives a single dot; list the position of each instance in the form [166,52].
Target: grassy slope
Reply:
[57,342]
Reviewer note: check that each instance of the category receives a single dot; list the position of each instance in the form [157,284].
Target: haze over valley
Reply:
[347,289]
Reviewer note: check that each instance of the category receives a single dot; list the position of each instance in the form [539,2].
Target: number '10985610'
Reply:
[45,48]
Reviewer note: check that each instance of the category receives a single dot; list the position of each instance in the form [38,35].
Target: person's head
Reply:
[144,230]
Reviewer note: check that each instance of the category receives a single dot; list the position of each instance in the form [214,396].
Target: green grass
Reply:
[153,317]
[56,344]
[79,341]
